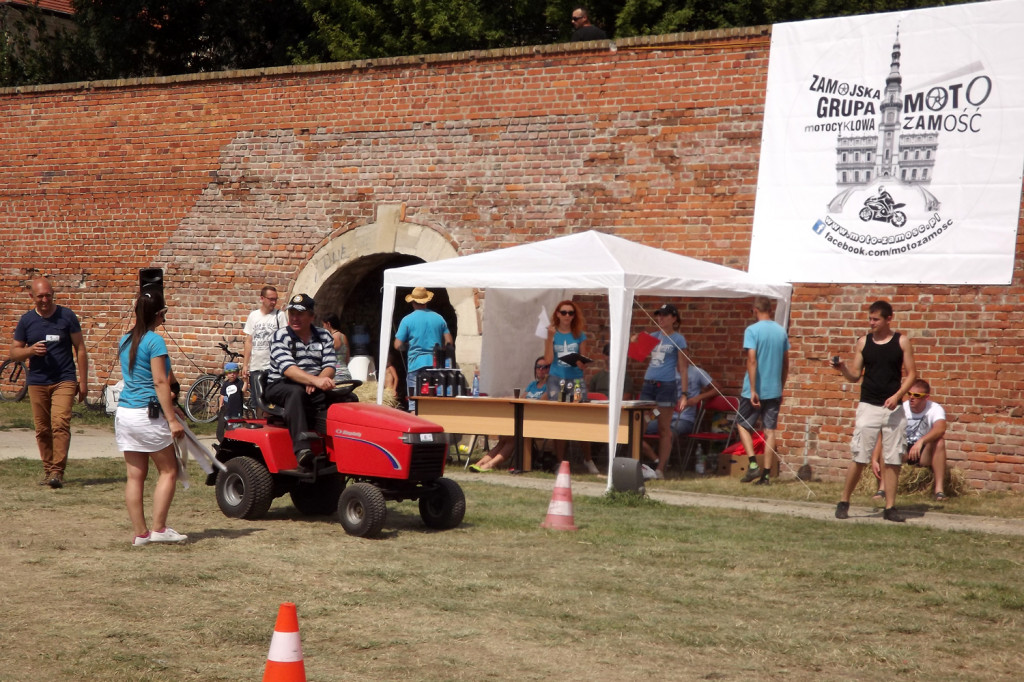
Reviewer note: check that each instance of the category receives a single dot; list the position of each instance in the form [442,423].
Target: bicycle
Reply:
[204,395]
[13,380]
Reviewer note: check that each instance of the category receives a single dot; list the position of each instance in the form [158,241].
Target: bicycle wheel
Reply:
[13,380]
[202,398]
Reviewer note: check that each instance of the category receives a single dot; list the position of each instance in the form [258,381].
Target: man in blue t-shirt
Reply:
[50,338]
[767,349]
[417,334]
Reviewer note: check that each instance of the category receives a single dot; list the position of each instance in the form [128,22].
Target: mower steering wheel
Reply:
[345,387]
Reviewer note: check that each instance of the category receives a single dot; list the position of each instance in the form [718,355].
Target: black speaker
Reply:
[151,279]
[627,476]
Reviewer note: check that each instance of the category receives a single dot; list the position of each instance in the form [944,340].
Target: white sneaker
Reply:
[168,535]
[591,467]
[141,540]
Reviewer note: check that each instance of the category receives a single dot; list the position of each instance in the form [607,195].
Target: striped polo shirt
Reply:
[287,349]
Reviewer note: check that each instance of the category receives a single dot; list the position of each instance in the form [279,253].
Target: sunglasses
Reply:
[162,311]
[542,366]
[918,395]
[567,312]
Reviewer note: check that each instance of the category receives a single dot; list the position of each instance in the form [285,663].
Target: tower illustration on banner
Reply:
[904,158]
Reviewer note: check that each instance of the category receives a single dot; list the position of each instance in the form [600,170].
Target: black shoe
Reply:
[751,475]
[763,480]
[55,482]
[305,457]
[891,514]
[843,510]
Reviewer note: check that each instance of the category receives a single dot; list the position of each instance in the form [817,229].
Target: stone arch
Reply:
[345,276]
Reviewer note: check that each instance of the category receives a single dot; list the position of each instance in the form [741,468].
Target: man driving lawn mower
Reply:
[301,375]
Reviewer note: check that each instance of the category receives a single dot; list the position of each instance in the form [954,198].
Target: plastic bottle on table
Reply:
[476,383]
[699,464]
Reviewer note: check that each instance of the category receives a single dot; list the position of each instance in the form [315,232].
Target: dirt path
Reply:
[811,510]
[90,442]
[87,442]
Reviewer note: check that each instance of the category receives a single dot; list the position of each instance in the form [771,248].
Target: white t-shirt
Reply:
[261,328]
[920,423]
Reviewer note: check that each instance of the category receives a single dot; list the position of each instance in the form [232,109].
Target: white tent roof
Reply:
[589,262]
[586,262]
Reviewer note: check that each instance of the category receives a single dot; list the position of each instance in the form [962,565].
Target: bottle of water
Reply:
[476,383]
[699,464]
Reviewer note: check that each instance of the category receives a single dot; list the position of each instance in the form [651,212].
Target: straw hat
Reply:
[419,295]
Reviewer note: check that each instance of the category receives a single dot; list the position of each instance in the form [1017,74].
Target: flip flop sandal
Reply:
[879,495]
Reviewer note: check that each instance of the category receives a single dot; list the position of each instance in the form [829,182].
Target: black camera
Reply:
[153,409]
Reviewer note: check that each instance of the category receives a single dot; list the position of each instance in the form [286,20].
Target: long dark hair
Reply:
[146,308]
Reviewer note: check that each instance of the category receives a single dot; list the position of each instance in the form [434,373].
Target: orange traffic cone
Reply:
[284,662]
[560,509]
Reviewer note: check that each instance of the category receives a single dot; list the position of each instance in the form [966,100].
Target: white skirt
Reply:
[135,431]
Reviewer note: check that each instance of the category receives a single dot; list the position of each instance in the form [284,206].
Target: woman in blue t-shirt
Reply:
[565,336]
[146,369]
[661,381]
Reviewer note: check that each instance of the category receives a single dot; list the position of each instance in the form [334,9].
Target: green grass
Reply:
[643,590]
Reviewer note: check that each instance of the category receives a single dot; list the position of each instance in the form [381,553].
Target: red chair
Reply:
[709,410]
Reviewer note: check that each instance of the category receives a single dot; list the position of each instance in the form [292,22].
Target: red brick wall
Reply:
[232,180]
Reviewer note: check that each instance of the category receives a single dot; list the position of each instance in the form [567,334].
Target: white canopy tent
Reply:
[521,279]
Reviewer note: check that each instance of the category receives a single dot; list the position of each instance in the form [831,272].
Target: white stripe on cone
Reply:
[285,647]
[560,508]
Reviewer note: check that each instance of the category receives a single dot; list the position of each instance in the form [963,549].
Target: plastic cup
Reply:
[515,392]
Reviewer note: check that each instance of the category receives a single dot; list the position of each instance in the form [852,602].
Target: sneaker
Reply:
[752,474]
[659,474]
[940,497]
[167,535]
[591,467]
[891,514]
[476,468]
[56,481]
[843,510]
[141,540]
[763,481]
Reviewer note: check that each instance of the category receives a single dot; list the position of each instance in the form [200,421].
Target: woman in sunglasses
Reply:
[147,421]
[565,336]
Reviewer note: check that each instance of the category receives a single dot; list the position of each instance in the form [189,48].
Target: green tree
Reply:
[158,38]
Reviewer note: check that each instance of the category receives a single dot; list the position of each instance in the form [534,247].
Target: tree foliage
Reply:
[126,38]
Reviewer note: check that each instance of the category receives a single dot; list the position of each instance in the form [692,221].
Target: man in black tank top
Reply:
[885,361]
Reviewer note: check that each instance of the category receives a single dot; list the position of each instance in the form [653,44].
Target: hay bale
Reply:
[914,479]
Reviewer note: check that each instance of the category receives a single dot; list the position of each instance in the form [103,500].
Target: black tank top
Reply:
[883,370]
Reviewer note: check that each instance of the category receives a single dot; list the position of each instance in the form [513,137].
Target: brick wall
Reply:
[232,180]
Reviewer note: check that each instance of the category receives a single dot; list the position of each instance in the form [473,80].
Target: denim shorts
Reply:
[662,392]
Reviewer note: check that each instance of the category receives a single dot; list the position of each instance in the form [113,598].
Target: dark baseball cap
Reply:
[300,302]
[667,309]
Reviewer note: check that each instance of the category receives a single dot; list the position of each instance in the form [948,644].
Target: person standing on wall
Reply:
[767,350]
[882,358]
[50,338]
[259,328]
[417,334]
[583,30]
[147,422]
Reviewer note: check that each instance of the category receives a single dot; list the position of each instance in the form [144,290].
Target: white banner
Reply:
[893,147]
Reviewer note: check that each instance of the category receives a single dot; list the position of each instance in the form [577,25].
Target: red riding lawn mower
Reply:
[364,455]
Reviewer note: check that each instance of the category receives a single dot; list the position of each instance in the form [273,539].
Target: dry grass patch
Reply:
[643,591]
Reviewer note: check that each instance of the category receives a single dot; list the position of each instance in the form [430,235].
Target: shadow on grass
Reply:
[224,533]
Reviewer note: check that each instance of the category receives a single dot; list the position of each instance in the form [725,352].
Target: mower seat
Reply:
[257,387]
